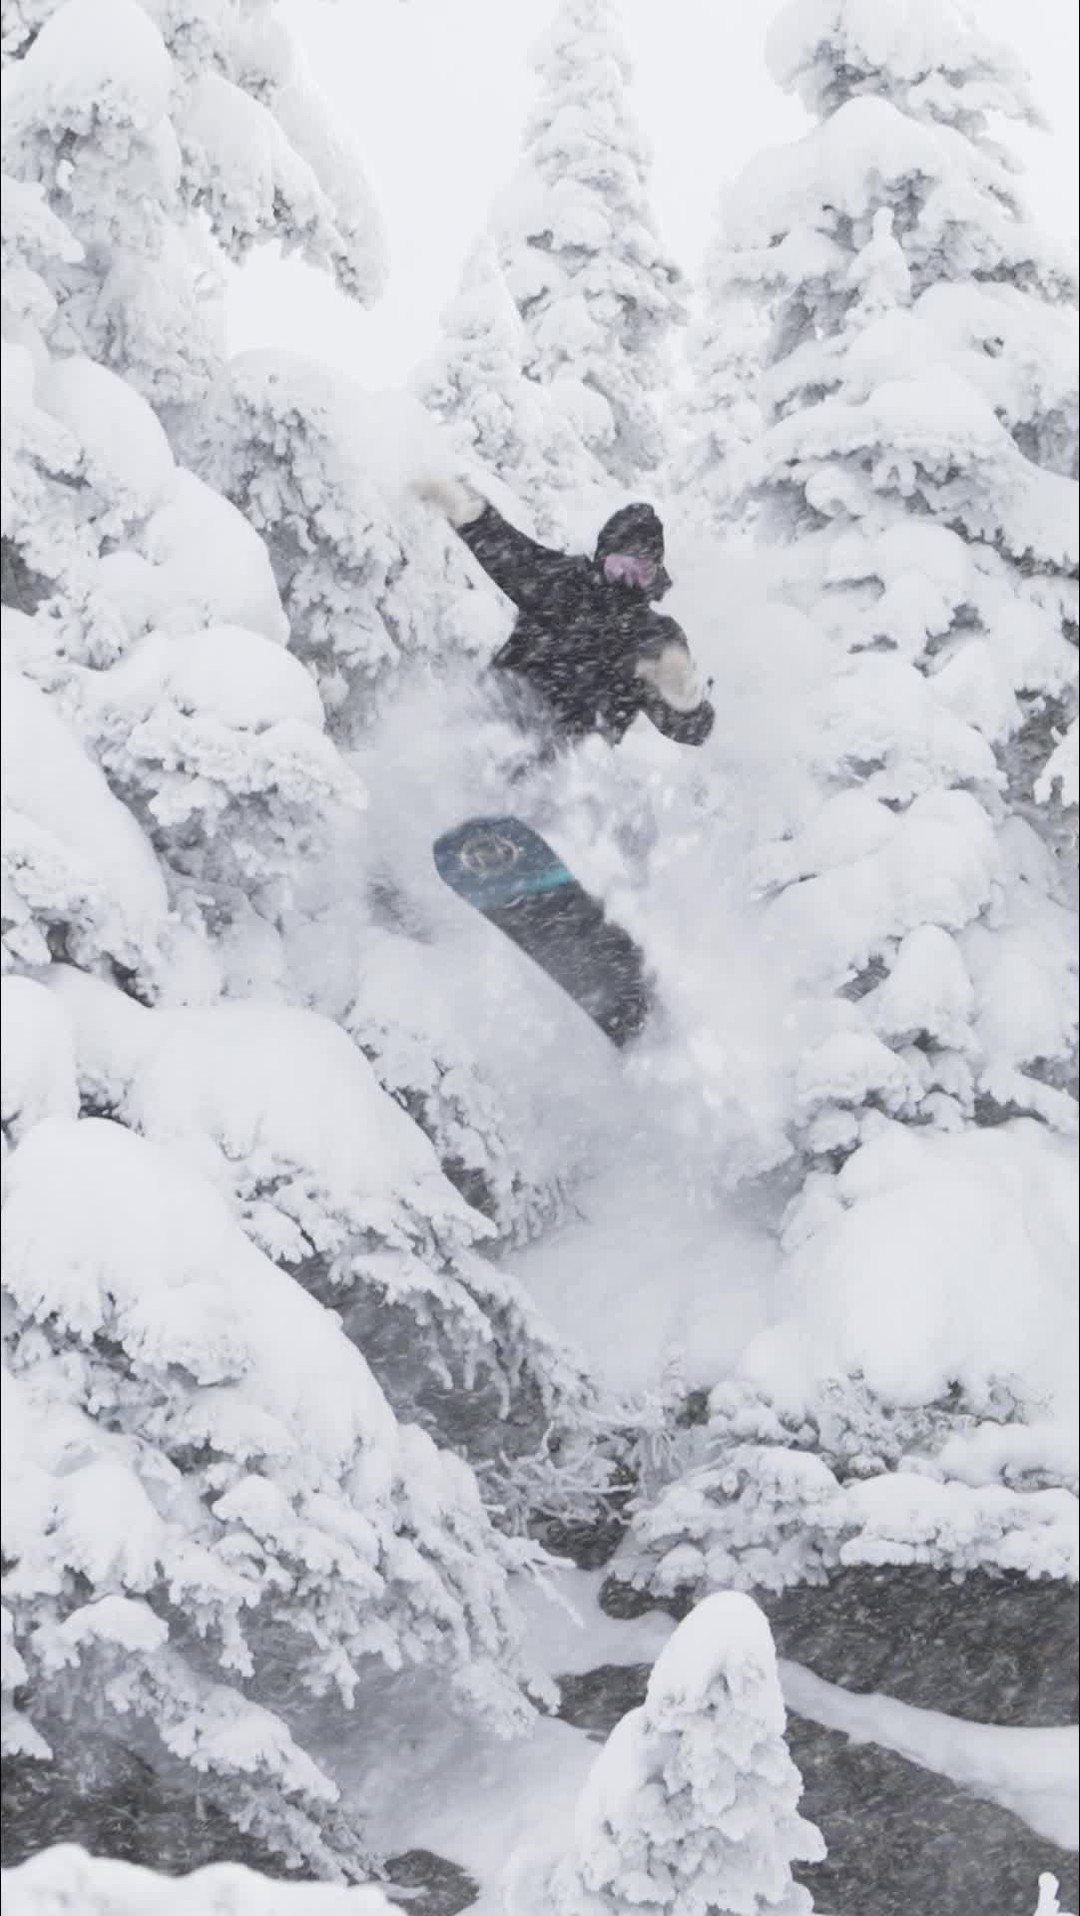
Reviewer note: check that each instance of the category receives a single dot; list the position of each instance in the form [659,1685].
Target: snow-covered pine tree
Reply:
[229,770]
[475,381]
[211,1506]
[716,416]
[916,486]
[476,384]
[372,584]
[194,111]
[691,1805]
[921,464]
[597,294]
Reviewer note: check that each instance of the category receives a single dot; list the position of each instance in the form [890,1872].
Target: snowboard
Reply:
[510,875]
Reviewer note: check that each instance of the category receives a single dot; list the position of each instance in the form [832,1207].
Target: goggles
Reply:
[625,568]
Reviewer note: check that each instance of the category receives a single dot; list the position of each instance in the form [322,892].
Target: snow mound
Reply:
[279,1108]
[65,1881]
[74,855]
[197,563]
[1033,1773]
[37,1064]
[934,1261]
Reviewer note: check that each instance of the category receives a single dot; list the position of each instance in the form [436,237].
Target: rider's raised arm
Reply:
[521,567]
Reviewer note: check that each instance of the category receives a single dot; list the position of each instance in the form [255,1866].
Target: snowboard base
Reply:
[509,874]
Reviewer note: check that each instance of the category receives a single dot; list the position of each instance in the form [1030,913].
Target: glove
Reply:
[671,674]
[456,501]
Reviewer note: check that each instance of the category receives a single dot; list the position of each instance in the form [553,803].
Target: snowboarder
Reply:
[586,655]
[587,644]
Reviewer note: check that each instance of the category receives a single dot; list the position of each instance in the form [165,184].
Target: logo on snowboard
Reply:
[487,853]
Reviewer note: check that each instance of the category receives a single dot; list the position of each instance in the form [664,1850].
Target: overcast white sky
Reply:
[434,93]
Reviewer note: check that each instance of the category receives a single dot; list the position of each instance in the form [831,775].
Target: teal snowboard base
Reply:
[510,875]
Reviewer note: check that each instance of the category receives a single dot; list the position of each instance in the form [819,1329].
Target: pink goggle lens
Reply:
[624,568]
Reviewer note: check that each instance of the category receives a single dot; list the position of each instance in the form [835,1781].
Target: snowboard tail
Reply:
[508,873]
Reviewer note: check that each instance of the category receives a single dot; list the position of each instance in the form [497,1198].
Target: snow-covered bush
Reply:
[764,1501]
[691,1807]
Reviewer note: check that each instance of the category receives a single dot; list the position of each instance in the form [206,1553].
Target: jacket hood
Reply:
[638,530]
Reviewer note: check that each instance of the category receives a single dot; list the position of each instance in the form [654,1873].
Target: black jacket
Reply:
[578,639]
